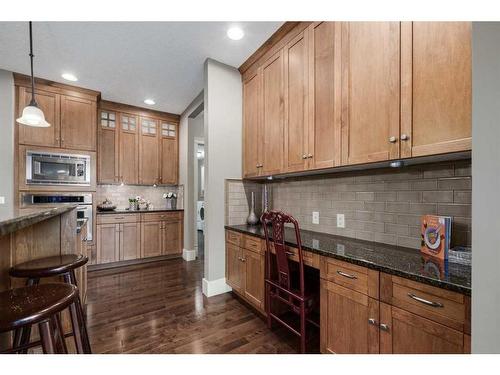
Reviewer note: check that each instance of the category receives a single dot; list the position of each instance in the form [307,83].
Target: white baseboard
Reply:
[189,255]
[215,287]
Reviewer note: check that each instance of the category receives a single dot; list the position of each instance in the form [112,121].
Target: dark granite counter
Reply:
[127,211]
[394,260]
[13,219]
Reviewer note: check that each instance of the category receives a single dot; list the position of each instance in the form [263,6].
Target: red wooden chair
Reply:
[283,284]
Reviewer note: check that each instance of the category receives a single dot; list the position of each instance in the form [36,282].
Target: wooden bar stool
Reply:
[59,265]
[37,304]
[282,283]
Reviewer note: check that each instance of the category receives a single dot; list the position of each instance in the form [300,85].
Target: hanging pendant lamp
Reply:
[32,115]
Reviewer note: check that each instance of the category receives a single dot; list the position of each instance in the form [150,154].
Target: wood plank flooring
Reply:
[160,308]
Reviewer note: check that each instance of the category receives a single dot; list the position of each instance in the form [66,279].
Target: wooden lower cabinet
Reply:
[151,239]
[130,241]
[234,267]
[171,238]
[349,321]
[108,243]
[408,333]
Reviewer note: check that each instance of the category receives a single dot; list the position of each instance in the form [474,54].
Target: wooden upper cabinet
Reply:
[436,88]
[345,321]
[169,154]
[272,133]
[148,151]
[108,147]
[78,123]
[252,117]
[129,149]
[49,103]
[296,105]
[370,91]
[408,333]
[324,95]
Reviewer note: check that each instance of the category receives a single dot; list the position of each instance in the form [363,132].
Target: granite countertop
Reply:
[127,211]
[13,219]
[395,260]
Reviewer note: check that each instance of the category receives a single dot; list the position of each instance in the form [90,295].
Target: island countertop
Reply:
[394,260]
[13,219]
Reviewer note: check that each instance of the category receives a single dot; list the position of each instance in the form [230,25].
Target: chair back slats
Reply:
[277,220]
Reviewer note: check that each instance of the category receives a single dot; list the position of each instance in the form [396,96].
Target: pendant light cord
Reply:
[33,102]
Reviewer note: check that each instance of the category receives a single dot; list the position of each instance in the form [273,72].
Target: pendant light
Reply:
[32,115]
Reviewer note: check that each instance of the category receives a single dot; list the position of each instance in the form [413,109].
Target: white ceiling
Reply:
[130,61]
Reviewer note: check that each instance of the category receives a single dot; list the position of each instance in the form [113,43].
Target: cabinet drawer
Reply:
[162,216]
[117,218]
[310,259]
[360,279]
[233,237]
[440,305]
[252,243]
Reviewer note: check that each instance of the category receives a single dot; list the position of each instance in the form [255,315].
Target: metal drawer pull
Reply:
[289,253]
[372,321]
[119,217]
[384,327]
[346,275]
[424,301]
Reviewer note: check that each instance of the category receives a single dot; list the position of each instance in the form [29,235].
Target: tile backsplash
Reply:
[238,197]
[382,205]
[119,195]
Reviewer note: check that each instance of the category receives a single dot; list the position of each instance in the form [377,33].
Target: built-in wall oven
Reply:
[47,168]
[83,200]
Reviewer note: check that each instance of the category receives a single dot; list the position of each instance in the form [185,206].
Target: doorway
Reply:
[199,195]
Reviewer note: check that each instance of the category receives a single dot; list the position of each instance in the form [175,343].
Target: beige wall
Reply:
[379,205]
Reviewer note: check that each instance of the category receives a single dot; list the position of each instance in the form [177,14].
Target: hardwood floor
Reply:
[159,308]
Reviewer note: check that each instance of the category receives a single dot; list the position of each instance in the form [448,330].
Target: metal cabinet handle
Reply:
[372,321]
[304,156]
[404,137]
[346,275]
[243,259]
[309,156]
[384,327]
[289,253]
[119,217]
[424,301]
[393,139]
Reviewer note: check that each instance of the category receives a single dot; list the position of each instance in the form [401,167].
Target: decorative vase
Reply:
[252,218]
[171,203]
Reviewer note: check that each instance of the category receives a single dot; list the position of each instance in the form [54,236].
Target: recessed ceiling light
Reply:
[149,102]
[235,33]
[69,77]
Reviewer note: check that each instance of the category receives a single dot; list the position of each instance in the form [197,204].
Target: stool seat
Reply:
[33,304]
[49,266]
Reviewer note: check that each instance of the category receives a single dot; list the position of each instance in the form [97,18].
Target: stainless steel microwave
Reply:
[45,168]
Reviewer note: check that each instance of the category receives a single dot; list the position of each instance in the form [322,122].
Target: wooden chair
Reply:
[283,285]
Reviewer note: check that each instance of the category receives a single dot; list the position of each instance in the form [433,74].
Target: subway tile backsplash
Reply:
[119,195]
[382,205]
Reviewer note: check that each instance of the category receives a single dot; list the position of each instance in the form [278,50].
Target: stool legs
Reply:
[60,342]
[22,336]
[47,337]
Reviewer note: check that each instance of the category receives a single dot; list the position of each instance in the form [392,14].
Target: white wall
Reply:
[6,138]
[486,187]
[184,174]
[223,126]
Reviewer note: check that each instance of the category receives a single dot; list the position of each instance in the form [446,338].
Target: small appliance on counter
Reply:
[107,205]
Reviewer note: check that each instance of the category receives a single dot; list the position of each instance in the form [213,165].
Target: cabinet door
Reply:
[169,155]
[296,79]
[151,239]
[370,91]
[254,278]
[252,117]
[272,116]
[108,147]
[108,243]
[345,325]
[148,152]
[234,267]
[49,103]
[130,241]
[324,94]
[171,238]
[436,88]
[78,123]
[129,149]
[408,333]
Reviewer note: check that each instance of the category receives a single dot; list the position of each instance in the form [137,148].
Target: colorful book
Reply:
[436,236]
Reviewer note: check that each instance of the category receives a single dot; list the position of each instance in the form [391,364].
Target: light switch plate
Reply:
[340,221]
[2,200]
[315,244]
[315,217]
